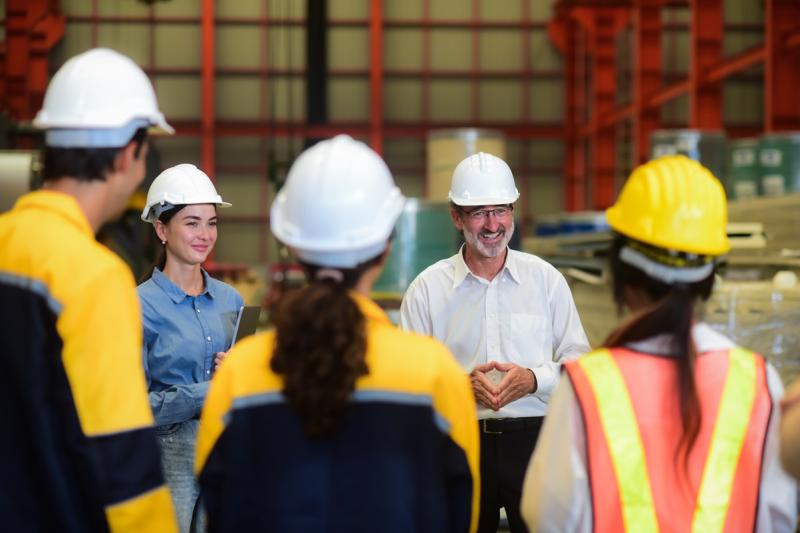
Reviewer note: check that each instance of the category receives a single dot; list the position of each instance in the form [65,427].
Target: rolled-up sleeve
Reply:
[178,403]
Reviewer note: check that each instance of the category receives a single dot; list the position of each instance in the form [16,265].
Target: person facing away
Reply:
[509,319]
[671,426]
[336,420]
[188,318]
[78,451]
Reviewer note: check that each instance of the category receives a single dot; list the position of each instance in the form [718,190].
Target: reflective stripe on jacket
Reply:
[632,415]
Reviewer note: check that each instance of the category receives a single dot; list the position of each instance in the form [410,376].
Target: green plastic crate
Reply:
[779,159]
[424,234]
[744,173]
[708,147]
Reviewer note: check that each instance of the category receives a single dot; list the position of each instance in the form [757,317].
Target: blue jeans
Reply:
[177,444]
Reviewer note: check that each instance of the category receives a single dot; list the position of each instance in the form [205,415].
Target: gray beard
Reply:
[489,250]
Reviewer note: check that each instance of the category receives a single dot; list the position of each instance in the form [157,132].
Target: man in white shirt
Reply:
[509,319]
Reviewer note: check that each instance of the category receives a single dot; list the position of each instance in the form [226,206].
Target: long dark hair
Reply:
[161,257]
[672,312]
[320,347]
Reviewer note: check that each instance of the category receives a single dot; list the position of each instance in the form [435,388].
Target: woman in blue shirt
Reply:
[188,321]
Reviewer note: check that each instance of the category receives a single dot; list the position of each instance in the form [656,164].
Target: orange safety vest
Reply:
[632,419]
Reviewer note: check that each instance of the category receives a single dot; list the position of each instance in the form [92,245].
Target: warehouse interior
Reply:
[572,93]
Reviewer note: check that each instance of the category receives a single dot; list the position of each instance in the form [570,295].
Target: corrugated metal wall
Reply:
[259,78]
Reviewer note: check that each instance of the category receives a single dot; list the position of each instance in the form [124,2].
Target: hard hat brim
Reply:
[483,201]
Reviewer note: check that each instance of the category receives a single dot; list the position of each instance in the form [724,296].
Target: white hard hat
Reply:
[183,184]
[98,99]
[483,179]
[339,204]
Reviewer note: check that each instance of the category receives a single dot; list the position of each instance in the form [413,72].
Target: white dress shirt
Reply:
[525,315]
[556,495]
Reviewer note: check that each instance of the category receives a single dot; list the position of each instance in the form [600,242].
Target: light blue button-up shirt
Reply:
[182,334]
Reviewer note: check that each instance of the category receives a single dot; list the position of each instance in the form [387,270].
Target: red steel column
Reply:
[574,153]
[782,66]
[376,75]
[564,33]
[207,119]
[705,99]
[33,27]
[580,110]
[424,86]
[263,114]
[646,74]
[602,25]
[525,166]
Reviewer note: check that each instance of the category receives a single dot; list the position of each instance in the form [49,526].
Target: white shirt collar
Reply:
[461,270]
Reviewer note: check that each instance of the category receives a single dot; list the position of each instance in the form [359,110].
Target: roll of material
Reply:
[447,148]
[17,169]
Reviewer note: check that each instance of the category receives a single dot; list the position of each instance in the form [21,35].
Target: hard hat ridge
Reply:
[484,164]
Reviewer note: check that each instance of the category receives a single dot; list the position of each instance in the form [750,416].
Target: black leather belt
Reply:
[507,425]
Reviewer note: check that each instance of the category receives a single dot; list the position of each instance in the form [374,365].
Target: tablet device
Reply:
[246,322]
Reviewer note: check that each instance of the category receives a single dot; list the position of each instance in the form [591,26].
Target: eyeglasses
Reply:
[483,214]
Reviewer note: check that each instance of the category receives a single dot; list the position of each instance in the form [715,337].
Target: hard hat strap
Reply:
[662,272]
[159,209]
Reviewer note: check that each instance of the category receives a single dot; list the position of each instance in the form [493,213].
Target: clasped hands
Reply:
[517,382]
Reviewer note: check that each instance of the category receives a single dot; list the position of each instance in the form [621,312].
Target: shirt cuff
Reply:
[546,381]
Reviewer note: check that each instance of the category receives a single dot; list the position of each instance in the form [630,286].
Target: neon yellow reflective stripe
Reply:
[730,429]
[624,441]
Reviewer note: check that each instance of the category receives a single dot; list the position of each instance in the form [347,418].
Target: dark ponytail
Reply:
[672,312]
[321,345]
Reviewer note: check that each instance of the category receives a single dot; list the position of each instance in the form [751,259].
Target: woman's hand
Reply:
[218,358]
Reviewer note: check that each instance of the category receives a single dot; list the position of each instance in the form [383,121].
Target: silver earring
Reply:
[163,242]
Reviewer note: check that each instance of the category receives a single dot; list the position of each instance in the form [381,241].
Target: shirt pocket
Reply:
[530,339]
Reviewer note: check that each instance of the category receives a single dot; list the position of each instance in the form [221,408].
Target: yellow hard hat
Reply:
[674,203]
